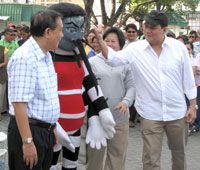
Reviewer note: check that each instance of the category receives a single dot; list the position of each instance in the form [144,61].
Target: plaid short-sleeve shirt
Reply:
[32,80]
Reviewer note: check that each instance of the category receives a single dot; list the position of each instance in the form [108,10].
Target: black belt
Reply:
[48,126]
[35,122]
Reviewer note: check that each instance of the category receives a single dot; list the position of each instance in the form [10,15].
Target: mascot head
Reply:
[73,30]
[73,24]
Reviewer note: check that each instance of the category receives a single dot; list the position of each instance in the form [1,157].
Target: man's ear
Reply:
[47,32]
[165,29]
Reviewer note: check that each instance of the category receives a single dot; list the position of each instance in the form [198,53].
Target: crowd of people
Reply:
[49,75]
[11,38]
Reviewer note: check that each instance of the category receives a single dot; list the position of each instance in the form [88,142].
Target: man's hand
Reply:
[191,115]
[29,150]
[56,136]
[122,106]
[30,154]
[99,31]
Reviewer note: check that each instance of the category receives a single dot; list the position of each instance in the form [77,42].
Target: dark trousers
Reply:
[44,141]
[197,121]
[133,113]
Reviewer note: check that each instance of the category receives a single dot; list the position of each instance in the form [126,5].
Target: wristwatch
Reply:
[194,107]
[28,140]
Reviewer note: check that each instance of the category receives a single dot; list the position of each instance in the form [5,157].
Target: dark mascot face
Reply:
[73,29]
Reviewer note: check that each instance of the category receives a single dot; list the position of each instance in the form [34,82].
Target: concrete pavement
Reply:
[134,152]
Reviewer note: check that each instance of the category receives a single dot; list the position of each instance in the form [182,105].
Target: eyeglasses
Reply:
[191,36]
[11,34]
[131,31]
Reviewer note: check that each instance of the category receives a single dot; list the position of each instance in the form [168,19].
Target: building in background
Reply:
[51,2]
[177,23]
[18,1]
[17,13]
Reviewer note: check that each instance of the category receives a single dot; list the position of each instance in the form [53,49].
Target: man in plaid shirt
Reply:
[33,98]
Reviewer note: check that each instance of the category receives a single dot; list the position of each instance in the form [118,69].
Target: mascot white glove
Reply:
[64,139]
[107,122]
[96,135]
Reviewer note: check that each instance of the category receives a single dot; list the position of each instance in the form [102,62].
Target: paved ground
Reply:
[134,153]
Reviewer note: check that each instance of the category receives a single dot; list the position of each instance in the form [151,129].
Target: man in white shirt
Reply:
[131,34]
[163,74]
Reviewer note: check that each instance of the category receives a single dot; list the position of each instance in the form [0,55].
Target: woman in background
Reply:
[119,88]
[3,75]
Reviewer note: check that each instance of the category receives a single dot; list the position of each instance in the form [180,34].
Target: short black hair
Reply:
[25,28]
[108,25]
[181,37]
[190,43]
[171,34]
[43,20]
[193,32]
[185,36]
[119,34]
[90,31]
[93,38]
[133,26]
[68,9]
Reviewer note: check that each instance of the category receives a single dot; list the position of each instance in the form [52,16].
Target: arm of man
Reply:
[99,31]
[114,58]
[191,112]
[29,150]
[189,86]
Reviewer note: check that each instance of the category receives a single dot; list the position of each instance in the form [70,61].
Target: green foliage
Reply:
[170,5]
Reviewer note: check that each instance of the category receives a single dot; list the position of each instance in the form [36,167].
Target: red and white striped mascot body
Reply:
[77,86]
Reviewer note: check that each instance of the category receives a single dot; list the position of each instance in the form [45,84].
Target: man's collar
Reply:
[166,41]
[38,51]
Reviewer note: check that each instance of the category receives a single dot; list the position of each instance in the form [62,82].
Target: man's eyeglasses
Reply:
[191,36]
[11,34]
[131,31]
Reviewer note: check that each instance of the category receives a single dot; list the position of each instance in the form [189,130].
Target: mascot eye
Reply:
[71,29]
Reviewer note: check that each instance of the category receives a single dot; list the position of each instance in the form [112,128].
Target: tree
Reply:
[89,12]
[117,15]
[136,9]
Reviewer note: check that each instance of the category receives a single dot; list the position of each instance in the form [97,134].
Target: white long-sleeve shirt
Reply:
[161,81]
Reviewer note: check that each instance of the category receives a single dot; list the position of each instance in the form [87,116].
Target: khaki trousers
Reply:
[152,133]
[116,151]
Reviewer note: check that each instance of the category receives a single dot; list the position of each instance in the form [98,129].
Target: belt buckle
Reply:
[50,127]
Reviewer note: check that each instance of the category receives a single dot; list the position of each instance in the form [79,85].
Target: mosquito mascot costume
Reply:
[75,76]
